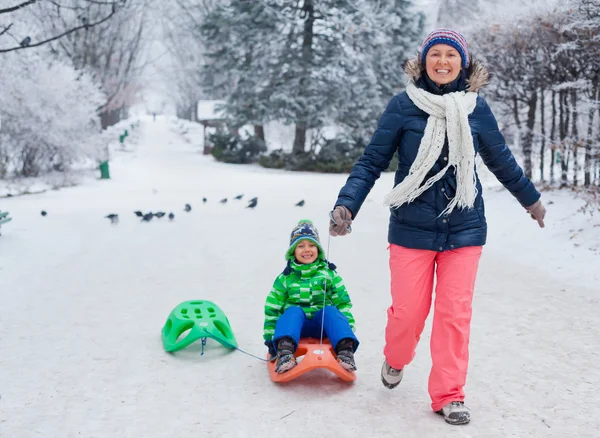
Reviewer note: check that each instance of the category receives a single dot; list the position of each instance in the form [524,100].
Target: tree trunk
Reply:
[299,139]
[564,123]
[596,153]
[575,137]
[515,109]
[543,131]
[553,138]
[109,118]
[587,165]
[527,139]
[193,109]
[259,131]
[307,56]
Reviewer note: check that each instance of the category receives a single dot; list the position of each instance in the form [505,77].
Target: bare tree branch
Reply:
[16,8]
[75,29]
[6,29]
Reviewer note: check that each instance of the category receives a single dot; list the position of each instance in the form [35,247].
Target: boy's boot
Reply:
[390,377]
[345,354]
[455,413]
[285,355]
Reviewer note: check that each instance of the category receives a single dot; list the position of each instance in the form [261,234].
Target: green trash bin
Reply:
[104,173]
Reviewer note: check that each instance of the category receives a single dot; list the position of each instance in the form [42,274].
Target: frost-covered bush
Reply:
[336,155]
[231,148]
[49,116]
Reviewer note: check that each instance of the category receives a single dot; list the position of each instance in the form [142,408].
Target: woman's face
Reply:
[443,64]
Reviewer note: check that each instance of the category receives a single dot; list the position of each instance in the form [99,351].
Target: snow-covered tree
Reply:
[181,23]
[241,45]
[49,116]
[111,52]
[543,74]
[19,27]
[310,63]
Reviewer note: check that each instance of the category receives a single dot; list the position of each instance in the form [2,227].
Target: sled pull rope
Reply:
[235,348]
[324,296]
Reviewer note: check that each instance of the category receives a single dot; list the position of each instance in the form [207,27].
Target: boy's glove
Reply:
[537,211]
[340,221]
[271,348]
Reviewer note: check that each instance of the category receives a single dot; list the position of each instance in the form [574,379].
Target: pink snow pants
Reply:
[412,272]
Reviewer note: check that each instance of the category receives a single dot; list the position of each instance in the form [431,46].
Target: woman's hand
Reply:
[340,221]
[537,211]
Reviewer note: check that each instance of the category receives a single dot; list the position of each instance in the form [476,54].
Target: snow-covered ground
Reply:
[82,303]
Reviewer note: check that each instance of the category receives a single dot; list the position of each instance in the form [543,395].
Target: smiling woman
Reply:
[443,64]
[445,53]
[437,224]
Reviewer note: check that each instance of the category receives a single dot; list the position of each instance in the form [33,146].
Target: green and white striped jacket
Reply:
[304,287]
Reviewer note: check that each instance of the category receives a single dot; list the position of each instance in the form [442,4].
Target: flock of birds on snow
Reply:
[147,217]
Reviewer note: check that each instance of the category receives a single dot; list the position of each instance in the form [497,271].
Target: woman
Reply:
[437,221]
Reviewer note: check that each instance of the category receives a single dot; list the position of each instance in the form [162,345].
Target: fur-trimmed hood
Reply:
[477,74]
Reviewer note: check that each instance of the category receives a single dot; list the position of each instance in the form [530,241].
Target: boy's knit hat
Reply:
[449,37]
[305,230]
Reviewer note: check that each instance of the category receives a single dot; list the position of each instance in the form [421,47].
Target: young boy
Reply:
[294,308]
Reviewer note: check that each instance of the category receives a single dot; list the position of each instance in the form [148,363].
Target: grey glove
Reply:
[537,211]
[340,221]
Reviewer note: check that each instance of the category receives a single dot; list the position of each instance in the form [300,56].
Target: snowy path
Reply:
[82,304]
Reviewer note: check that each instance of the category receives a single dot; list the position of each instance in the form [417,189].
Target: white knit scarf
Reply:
[448,114]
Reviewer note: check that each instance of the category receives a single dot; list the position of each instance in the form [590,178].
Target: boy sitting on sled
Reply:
[308,293]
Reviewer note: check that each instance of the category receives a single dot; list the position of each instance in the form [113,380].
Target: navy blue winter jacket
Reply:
[419,224]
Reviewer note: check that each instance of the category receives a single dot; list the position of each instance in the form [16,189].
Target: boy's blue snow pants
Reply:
[293,323]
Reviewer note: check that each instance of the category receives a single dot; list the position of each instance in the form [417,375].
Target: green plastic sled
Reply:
[203,319]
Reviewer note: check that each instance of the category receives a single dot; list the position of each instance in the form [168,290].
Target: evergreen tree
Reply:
[238,39]
[309,63]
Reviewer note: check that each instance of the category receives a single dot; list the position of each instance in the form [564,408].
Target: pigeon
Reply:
[114,218]
[204,200]
[25,41]
[171,216]
[159,214]
[252,203]
[188,207]
[239,196]
[44,213]
[253,200]
[148,217]
[300,204]
[223,201]
[139,213]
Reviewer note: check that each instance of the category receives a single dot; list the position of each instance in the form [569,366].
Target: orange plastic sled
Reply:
[311,357]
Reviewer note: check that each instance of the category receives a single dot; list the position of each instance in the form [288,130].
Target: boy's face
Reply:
[306,252]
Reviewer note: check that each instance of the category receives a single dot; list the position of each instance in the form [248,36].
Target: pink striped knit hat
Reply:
[450,37]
